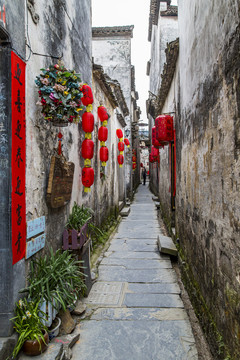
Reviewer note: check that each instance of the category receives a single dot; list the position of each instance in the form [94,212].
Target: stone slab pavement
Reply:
[135,307]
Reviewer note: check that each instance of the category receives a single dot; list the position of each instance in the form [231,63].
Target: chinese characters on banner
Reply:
[18,158]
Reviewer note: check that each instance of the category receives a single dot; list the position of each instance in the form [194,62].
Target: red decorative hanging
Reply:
[104,155]
[87,178]
[121,146]
[120,160]
[102,133]
[126,141]
[60,136]
[164,128]
[151,158]
[87,97]
[102,113]
[119,133]
[134,166]
[155,142]
[134,159]
[87,151]
[87,122]
[141,164]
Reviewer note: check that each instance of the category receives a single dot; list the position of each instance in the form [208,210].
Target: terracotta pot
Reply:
[32,347]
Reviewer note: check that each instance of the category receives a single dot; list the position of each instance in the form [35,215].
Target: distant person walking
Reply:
[144,175]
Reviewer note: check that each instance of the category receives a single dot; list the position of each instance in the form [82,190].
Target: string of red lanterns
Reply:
[120,147]
[87,150]
[134,160]
[103,134]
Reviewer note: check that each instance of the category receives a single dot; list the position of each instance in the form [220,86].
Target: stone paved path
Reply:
[138,313]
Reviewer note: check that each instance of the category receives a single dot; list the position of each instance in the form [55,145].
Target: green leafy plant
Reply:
[56,278]
[81,215]
[28,323]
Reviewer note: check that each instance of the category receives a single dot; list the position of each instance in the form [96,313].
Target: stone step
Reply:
[166,245]
[125,211]
[120,205]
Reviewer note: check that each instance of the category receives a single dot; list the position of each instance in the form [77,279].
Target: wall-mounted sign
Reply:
[34,245]
[18,159]
[60,182]
[35,226]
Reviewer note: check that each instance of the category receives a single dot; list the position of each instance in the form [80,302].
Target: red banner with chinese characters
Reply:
[18,158]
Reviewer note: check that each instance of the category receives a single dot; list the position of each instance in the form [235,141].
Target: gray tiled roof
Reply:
[113,31]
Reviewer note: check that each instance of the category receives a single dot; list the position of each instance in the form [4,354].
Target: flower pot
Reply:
[52,333]
[33,348]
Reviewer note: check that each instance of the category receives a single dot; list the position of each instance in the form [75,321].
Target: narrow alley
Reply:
[136,308]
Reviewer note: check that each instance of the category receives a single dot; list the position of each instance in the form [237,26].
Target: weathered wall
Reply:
[63,29]
[106,188]
[114,55]
[164,32]
[207,206]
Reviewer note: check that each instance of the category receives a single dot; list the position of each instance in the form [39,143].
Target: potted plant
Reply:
[28,323]
[55,279]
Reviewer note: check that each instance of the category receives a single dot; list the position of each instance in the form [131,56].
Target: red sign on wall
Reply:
[18,158]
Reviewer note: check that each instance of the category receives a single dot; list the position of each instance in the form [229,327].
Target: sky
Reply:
[130,12]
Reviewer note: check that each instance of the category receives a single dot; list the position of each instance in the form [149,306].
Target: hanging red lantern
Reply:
[87,97]
[87,151]
[87,122]
[87,178]
[151,158]
[126,142]
[121,146]
[102,113]
[141,164]
[120,160]
[119,133]
[134,159]
[134,166]
[155,142]
[104,155]
[102,134]
[164,128]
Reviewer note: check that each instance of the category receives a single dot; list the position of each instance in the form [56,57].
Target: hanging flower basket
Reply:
[60,95]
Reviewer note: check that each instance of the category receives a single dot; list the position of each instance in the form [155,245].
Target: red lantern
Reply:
[102,113]
[104,155]
[102,133]
[151,158]
[134,159]
[120,160]
[134,166]
[87,149]
[164,128]
[87,122]
[155,142]
[121,146]
[87,98]
[154,151]
[127,143]
[87,178]
[119,133]
[141,164]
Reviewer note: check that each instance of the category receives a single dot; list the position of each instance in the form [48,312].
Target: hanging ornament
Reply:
[88,124]
[134,166]
[87,151]
[87,98]
[104,155]
[60,136]
[164,128]
[103,115]
[87,178]
[121,147]
[120,160]
[126,142]
[134,159]
[102,135]
[119,134]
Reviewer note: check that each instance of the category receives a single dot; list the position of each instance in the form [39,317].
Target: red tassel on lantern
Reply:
[87,178]
[126,141]
[120,160]
[87,122]
[121,146]
[102,135]
[60,136]
[104,155]
[102,113]
[119,133]
[87,98]
[87,151]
